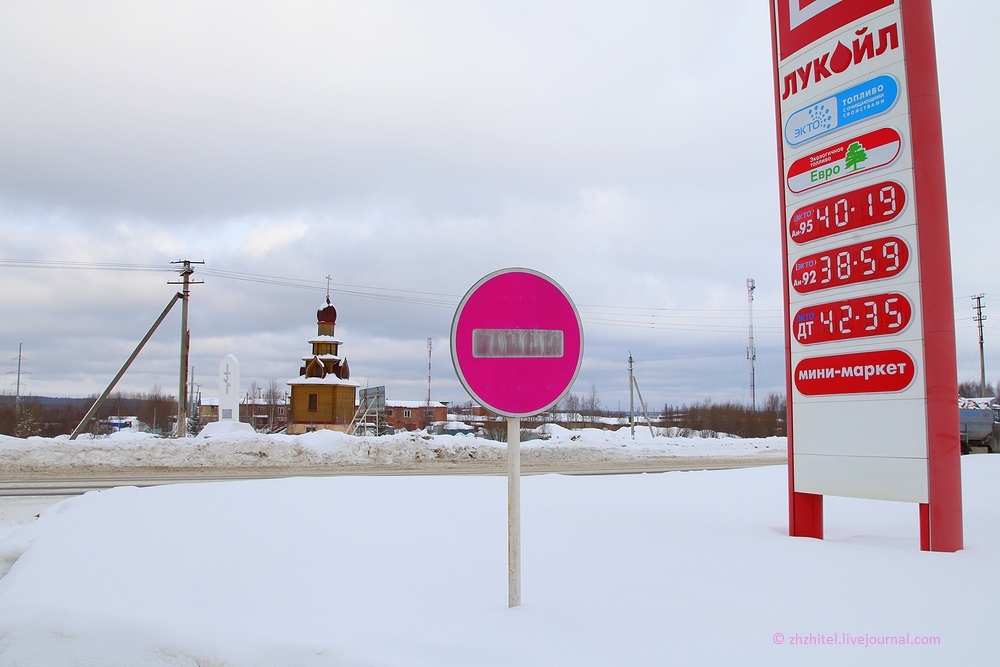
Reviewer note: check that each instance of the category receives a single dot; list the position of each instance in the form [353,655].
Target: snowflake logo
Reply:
[821,113]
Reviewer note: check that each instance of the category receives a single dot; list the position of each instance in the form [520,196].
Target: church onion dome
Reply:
[327,315]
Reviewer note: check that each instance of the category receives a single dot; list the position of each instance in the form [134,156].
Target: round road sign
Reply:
[517,342]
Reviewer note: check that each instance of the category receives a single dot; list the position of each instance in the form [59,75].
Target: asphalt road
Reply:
[33,484]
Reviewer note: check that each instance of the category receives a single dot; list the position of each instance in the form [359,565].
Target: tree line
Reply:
[49,417]
[972,389]
[728,417]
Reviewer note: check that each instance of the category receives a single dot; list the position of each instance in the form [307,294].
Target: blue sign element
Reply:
[857,103]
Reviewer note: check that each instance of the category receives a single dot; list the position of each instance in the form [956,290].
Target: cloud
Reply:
[261,239]
[406,150]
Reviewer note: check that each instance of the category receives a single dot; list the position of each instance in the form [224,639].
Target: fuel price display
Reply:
[864,316]
[871,205]
[861,262]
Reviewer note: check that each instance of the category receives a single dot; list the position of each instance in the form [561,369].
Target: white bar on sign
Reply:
[517,343]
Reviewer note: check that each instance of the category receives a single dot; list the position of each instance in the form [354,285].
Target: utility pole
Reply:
[186,270]
[751,350]
[631,403]
[979,319]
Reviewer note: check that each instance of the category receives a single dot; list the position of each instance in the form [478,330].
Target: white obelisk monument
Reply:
[229,389]
[229,400]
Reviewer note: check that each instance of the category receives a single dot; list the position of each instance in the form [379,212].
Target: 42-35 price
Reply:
[861,317]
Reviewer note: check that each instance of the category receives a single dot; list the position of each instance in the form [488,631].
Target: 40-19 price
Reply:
[871,205]
[878,315]
[861,262]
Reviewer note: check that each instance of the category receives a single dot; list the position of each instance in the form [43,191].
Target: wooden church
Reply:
[323,396]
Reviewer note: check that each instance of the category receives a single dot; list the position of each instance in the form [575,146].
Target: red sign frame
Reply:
[792,39]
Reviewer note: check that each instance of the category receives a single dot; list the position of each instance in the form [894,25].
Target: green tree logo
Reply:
[855,155]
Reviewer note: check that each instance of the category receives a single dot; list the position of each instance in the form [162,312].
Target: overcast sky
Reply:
[407,149]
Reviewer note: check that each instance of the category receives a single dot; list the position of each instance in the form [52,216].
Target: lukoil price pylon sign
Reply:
[869,312]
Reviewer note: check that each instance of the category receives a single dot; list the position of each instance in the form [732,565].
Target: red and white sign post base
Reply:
[870,332]
[517,346]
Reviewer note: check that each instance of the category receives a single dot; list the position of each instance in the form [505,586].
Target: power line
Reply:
[707,356]
[365,291]
[690,310]
[636,317]
[92,266]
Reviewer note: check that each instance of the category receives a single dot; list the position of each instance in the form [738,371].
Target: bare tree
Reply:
[776,403]
[571,406]
[973,389]
[249,407]
[155,409]
[273,396]
[592,403]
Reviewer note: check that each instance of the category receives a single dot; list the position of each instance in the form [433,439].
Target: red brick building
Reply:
[414,415]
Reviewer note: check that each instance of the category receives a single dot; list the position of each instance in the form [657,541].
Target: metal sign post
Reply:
[517,346]
[513,511]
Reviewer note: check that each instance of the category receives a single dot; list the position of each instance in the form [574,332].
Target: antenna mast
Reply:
[751,350]
[429,348]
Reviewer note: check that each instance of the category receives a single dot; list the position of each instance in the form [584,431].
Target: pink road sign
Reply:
[517,342]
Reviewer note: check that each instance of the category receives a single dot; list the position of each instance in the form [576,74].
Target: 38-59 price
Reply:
[861,262]
[878,315]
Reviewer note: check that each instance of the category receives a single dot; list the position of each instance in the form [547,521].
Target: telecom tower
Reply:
[429,348]
[751,350]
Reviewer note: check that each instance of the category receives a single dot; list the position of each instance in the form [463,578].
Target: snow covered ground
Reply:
[689,568]
[126,451]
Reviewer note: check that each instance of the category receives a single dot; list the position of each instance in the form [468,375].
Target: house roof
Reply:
[413,405]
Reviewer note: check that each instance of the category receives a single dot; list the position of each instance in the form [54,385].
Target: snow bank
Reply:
[658,569]
[554,445]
